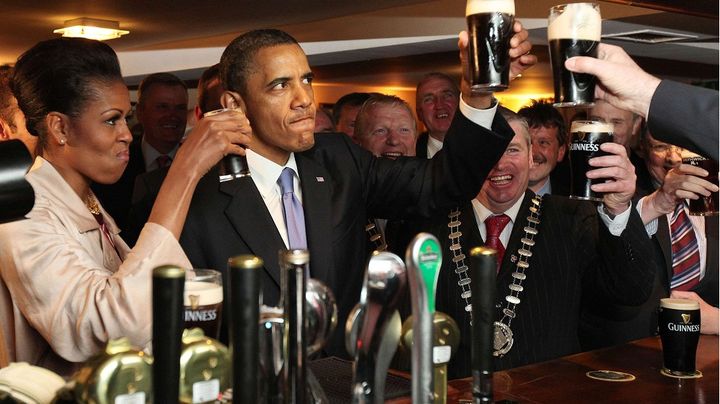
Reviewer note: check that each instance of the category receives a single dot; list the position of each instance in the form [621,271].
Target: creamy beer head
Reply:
[576,21]
[679,304]
[202,293]
[490,6]
[591,126]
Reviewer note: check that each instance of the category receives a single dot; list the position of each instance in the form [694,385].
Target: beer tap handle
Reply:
[168,287]
[293,284]
[424,260]
[244,302]
[483,268]
[379,331]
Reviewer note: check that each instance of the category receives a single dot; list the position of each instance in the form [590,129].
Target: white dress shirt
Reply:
[482,213]
[433,146]
[265,175]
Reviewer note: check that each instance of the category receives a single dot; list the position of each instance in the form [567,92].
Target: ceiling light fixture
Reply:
[91,28]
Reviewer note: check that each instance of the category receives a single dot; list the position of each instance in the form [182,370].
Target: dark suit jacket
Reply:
[342,185]
[116,198]
[686,116]
[421,145]
[575,258]
[145,191]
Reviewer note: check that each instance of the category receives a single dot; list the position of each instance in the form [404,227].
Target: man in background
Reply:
[345,110]
[436,100]
[386,127]
[626,131]
[323,122]
[549,146]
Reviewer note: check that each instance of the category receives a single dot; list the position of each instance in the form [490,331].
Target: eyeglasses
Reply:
[664,148]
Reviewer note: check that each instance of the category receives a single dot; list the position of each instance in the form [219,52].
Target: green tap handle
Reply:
[429,264]
[423,260]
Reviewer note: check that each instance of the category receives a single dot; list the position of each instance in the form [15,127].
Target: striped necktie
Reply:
[685,252]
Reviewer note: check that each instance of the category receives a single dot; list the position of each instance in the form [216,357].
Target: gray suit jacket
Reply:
[686,116]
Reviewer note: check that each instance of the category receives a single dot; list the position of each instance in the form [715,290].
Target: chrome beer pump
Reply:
[299,327]
[373,329]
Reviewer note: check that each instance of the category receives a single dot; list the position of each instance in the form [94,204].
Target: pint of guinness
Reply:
[573,30]
[203,302]
[679,323]
[490,25]
[586,138]
[704,205]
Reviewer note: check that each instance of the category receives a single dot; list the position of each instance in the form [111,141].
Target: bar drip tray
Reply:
[335,377]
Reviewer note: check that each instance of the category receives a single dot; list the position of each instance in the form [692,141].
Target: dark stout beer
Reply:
[587,136]
[572,88]
[704,205]
[573,30]
[679,323]
[203,306]
[489,29]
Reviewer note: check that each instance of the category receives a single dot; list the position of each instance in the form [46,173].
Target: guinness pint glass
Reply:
[679,322]
[573,30]
[490,25]
[586,138]
[705,205]
[203,301]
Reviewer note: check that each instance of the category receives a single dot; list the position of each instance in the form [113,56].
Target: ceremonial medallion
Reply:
[503,340]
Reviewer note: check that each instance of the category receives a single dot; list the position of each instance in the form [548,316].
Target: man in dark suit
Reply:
[607,325]
[162,111]
[549,146]
[147,185]
[436,100]
[577,251]
[338,184]
[676,113]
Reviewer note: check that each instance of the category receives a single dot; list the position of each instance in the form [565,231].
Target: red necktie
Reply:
[163,161]
[494,225]
[685,251]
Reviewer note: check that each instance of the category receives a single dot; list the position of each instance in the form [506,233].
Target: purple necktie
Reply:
[292,211]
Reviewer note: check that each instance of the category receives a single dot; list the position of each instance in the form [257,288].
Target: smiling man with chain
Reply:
[554,253]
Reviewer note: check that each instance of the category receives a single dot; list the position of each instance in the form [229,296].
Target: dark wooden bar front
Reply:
[564,380]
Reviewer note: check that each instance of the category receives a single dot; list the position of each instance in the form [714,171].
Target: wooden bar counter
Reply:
[564,380]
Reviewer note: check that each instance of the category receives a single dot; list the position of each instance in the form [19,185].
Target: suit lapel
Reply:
[663,238]
[315,184]
[508,264]
[249,216]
